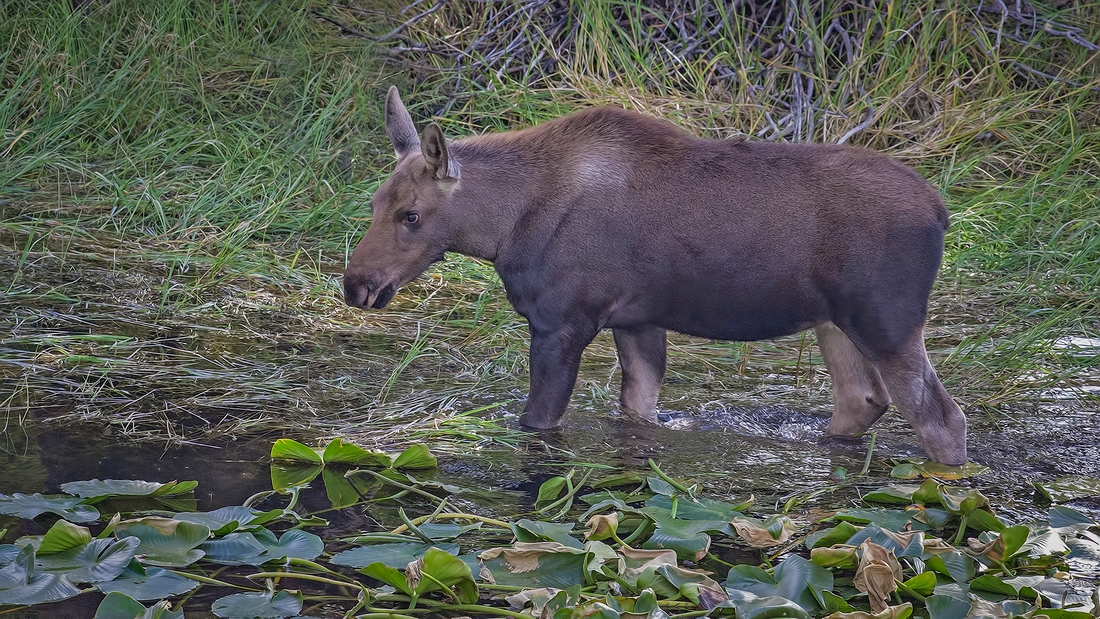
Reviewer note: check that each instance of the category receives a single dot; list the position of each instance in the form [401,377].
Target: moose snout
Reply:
[367,293]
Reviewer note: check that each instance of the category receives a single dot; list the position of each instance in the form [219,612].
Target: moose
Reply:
[611,219]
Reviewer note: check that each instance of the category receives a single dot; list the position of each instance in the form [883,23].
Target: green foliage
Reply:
[547,565]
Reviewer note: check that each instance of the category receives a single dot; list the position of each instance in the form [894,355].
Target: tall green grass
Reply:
[192,176]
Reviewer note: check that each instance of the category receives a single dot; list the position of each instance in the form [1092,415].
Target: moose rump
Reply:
[610,219]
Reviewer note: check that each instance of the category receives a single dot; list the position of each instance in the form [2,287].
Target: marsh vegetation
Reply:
[181,185]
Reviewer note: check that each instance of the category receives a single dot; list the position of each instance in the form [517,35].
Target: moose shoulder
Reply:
[607,218]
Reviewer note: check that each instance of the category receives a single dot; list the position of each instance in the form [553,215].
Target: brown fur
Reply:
[606,218]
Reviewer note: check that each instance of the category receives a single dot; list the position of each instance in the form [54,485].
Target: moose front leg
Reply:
[555,359]
[643,357]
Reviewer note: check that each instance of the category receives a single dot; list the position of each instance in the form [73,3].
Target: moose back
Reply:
[609,219]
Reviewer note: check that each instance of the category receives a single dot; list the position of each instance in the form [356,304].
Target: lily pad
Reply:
[21,583]
[396,555]
[259,605]
[96,490]
[415,457]
[536,564]
[99,560]
[1069,488]
[166,542]
[147,583]
[260,546]
[63,536]
[228,519]
[794,579]
[31,506]
[121,606]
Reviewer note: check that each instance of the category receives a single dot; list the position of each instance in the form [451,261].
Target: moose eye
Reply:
[412,218]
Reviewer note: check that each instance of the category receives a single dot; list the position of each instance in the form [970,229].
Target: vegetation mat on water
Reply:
[650,546]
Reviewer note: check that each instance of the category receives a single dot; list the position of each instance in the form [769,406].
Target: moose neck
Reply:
[499,184]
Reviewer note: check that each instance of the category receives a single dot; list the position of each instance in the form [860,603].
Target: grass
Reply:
[181,185]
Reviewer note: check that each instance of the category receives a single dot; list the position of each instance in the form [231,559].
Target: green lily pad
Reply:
[228,519]
[21,583]
[536,564]
[751,606]
[259,605]
[118,605]
[260,546]
[530,531]
[891,519]
[946,607]
[1069,488]
[63,536]
[396,555]
[794,579]
[900,494]
[416,457]
[1067,520]
[700,508]
[909,544]
[289,449]
[99,560]
[147,583]
[551,489]
[31,506]
[166,542]
[95,490]
[923,583]
[444,568]
[831,536]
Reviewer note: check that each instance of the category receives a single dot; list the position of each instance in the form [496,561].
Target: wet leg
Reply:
[859,395]
[920,397]
[642,357]
[555,359]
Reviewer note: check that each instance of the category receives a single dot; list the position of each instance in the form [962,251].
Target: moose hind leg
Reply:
[859,395]
[920,397]
[642,355]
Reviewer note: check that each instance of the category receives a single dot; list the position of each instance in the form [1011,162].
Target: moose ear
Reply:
[434,147]
[399,125]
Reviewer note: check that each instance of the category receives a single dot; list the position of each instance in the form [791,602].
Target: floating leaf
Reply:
[260,546]
[699,508]
[147,583]
[1069,488]
[891,519]
[1067,520]
[228,519]
[396,555]
[166,542]
[923,583]
[99,560]
[683,536]
[839,556]
[416,457]
[31,506]
[946,607]
[962,500]
[551,489]
[901,494]
[536,564]
[794,579]
[118,605]
[945,559]
[773,531]
[694,585]
[20,583]
[902,611]
[289,449]
[96,489]
[829,537]
[62,536]
[908,544]
[751,606]
[260,605]
[529,531]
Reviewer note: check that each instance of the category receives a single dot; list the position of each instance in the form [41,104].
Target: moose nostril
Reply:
[356,293]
